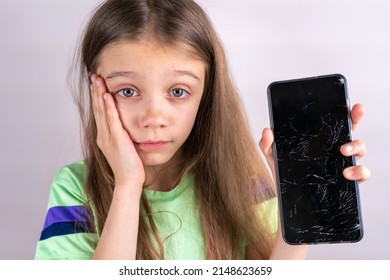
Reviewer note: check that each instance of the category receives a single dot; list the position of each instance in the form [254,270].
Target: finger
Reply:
[98,89]
[357,113]
[112,115]
[265,144]
[355,148]
[357,173]
[95,103]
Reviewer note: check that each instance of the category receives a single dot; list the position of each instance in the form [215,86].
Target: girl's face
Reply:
[157,91]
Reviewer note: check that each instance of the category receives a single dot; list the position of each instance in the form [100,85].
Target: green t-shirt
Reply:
[176,214]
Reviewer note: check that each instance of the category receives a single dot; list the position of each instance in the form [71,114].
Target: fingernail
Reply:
[348,149]
[348,173]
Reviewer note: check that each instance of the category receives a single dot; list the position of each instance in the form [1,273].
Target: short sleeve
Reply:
[66,234]
[271,208]
[268,213]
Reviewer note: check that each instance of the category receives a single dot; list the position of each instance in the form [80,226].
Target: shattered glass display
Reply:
[310,121]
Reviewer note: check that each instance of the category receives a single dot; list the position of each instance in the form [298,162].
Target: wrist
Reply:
[128,189]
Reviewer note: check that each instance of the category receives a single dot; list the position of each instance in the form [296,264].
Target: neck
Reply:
[166,176]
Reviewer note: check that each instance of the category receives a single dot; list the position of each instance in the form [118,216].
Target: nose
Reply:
[154,113]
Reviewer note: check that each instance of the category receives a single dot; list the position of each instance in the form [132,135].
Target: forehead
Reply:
[133,51]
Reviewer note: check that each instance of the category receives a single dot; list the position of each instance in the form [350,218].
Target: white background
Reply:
[265,41]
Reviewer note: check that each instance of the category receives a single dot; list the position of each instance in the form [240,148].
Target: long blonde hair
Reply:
[220,152]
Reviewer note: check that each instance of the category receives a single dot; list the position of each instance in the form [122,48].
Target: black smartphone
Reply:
[310,119]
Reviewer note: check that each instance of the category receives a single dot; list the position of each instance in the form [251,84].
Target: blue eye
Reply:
[127,92]
[179,92]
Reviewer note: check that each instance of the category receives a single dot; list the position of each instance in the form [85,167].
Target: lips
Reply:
[152,145]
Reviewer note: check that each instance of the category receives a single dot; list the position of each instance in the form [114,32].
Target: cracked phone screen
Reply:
[310,121]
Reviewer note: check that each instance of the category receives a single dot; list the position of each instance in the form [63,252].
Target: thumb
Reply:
[265,144]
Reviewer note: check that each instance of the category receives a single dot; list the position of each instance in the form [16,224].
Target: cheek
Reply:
[124,114]
[187,119]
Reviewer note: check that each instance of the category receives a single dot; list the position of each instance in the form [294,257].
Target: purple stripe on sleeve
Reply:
[59,214]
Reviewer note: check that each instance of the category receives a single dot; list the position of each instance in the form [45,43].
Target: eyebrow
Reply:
[128,74]
[117,74]
[185,73]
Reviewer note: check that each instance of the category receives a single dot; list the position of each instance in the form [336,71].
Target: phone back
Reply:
[310,121]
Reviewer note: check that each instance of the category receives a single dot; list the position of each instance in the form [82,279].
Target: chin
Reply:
[155,160]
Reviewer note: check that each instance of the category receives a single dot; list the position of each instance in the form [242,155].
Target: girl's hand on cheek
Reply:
[113,139]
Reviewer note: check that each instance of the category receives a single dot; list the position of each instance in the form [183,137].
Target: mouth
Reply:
[152,145]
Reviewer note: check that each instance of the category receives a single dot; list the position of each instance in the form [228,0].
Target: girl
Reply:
[171,170]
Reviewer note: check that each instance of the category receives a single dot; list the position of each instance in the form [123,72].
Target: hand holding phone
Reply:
[310,120]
